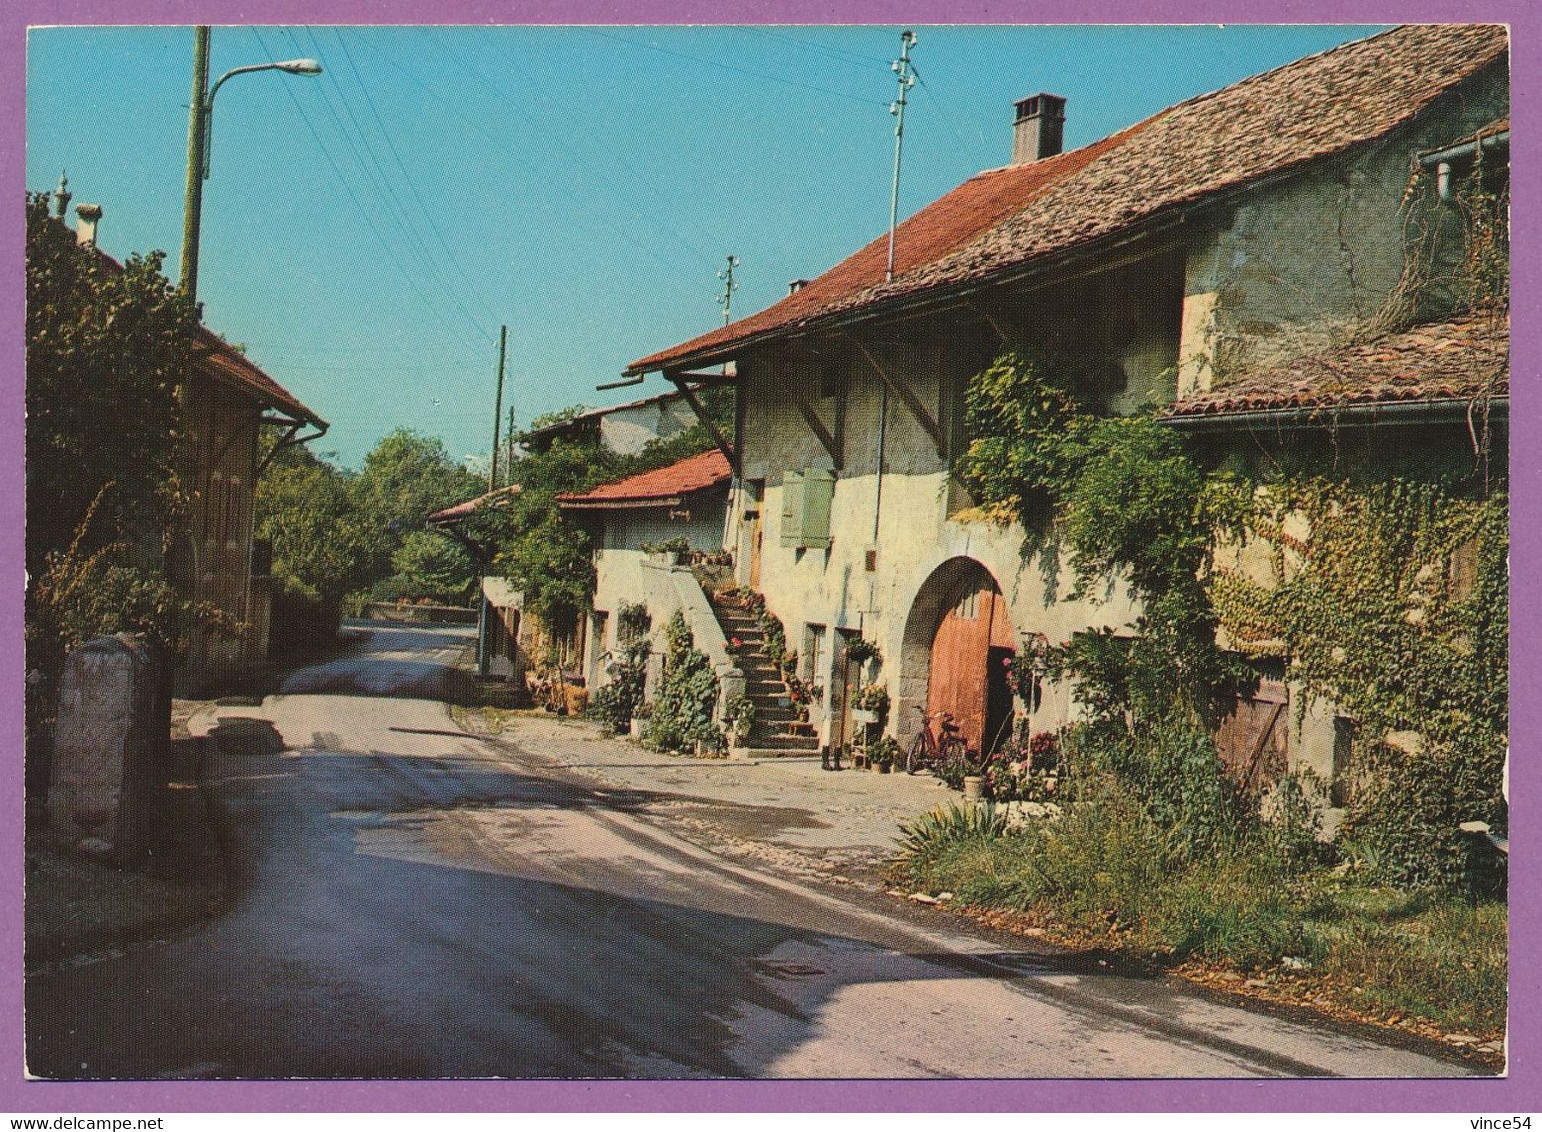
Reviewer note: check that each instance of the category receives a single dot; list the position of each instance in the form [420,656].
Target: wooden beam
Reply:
[817,427]
[981,309]
[907,395]
[701,414]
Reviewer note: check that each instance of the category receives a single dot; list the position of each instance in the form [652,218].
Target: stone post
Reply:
[109,746]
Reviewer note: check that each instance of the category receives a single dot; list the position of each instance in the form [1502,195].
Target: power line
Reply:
[673,277]
[730,67]
[353,196]
[428,213]
[381,185]
[556,138]
[870,62]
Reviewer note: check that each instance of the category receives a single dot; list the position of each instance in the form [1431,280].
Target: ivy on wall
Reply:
[1392,603]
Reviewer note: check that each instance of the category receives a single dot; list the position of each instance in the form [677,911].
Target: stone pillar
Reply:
[109,746]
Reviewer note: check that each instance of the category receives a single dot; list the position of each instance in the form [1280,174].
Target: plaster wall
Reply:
[628,431]
[919,529]
[1299,266]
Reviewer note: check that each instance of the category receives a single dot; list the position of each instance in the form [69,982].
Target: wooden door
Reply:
[753,514]
[960,651]
[843,686]
[1254,740]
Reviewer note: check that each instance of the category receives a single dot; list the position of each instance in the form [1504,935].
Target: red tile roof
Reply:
[463,510]
[1267,124]
[1459,360]
[661,487]
[220,360]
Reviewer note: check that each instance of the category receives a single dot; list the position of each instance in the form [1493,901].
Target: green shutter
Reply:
[818,491]
[792,509]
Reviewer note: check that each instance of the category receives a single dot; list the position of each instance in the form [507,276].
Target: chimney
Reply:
[796,285]
[90,217]
[1037,132]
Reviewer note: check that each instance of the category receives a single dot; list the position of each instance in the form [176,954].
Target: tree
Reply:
[430,565]
[405,478]
[106,349]
[322,546]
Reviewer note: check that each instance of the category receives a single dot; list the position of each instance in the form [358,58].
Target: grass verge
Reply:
[1104,875]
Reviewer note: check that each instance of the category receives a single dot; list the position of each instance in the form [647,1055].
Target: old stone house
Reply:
[626,429]
[634,521]
[1214,244]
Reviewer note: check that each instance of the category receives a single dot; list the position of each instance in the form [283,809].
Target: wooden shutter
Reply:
[818,491]
[791,529]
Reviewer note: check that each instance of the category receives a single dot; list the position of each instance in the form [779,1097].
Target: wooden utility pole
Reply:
[508,441]
[503,345]
[197,124]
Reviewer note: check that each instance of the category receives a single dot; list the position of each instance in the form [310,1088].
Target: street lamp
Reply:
[199,131]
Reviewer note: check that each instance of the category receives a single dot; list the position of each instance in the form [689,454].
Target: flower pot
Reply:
[862,715]
[974,788]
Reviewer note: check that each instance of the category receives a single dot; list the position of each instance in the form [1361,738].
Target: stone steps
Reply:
[779,732]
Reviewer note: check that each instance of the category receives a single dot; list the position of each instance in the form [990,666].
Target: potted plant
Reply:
[741,720]
[871,704]
[882,754]
[859,651]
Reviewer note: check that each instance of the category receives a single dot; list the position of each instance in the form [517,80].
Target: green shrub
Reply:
[682,710]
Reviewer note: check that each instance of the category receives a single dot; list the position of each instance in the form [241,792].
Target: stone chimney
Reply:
[1037,132]
[90,218]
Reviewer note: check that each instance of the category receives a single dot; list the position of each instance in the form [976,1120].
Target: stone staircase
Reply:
[778,731]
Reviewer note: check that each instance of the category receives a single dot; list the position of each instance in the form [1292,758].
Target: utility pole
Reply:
[197,124]
[901,68]
[726,299]
[503,344]
[508,440]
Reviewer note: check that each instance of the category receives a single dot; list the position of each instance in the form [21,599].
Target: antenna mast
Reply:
[726,299]
[902,70]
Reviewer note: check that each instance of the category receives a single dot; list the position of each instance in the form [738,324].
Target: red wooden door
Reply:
[961,655]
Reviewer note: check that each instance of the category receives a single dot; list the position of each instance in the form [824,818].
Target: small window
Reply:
[814,650]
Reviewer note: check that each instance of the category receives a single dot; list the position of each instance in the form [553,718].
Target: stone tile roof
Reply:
[462,511]
[1456,360]
[1264,125]
[661,487]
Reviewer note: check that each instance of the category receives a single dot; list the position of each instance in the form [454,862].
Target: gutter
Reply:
[1441,160]
[1447,410]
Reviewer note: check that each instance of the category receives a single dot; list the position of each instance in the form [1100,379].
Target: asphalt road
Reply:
[415,902]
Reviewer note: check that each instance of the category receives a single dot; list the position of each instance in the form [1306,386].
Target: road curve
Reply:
[415,902]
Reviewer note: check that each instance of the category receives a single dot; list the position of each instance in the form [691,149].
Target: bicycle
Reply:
[927,751]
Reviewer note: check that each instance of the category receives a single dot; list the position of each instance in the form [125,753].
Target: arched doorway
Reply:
[957,637]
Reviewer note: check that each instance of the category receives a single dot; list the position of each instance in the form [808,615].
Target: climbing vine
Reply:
[682,710]
[1388,601]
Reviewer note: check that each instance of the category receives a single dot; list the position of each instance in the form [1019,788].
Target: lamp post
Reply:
[200,121]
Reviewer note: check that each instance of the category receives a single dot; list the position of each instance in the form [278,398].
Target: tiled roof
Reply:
[1439,362]
[220,360]
[1264,125]
[591,415]
[658,488]
[463,510]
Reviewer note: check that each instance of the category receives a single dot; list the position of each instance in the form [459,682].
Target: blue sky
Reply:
[366,231]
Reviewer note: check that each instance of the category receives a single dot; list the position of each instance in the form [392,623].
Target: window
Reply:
[814,650]
[806,499]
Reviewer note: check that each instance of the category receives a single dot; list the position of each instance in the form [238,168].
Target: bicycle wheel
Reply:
[915,758]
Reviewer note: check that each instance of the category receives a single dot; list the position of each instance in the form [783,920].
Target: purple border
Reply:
[1518,1093]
